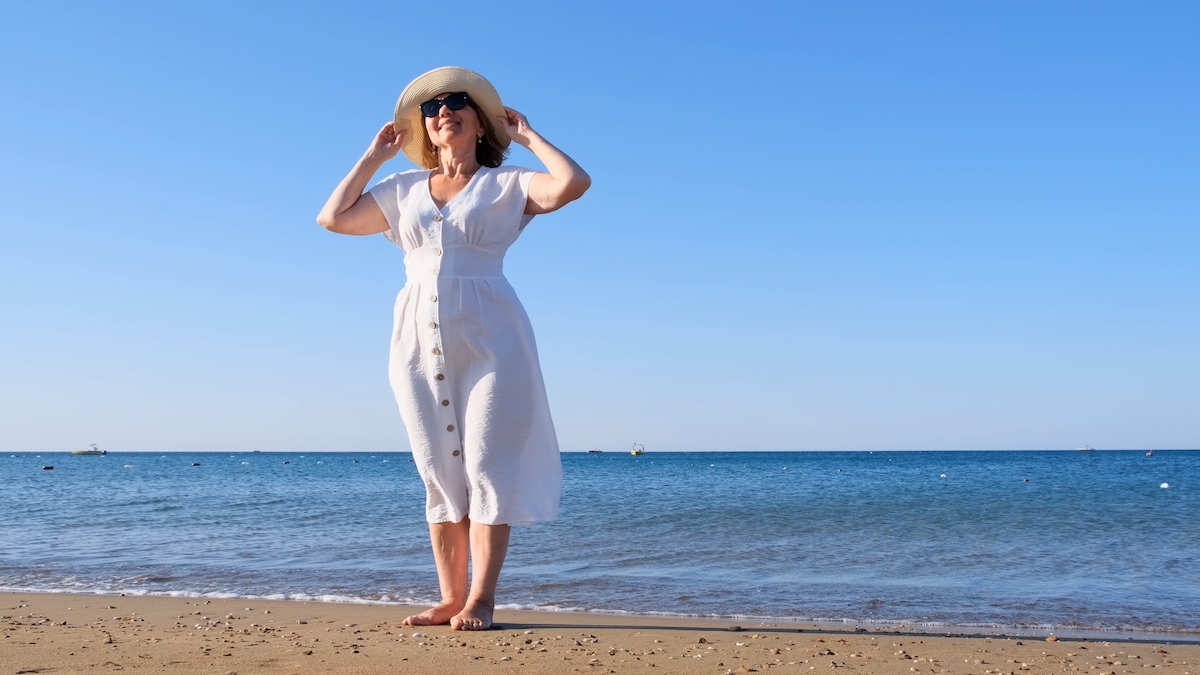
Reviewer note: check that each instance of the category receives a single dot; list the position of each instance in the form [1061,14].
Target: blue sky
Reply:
[863,226]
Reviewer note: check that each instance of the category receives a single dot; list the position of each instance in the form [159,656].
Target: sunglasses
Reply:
[455,101]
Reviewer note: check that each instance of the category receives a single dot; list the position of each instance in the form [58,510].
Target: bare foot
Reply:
[438,615]
[475,616]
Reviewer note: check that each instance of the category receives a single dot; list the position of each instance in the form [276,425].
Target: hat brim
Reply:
[437,81]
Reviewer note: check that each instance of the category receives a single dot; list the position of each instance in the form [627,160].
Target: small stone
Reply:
[529,632]
[417,635]
[735,629]
[1051,638]
[702,641]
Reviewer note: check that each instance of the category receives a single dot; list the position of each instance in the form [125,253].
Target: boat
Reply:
[92,450]
[1149,453]
[638,449]
[595,451]
[1086,448]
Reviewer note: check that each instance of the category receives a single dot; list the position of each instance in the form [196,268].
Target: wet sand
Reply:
[65,633]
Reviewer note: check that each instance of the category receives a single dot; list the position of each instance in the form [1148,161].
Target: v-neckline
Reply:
[429,188]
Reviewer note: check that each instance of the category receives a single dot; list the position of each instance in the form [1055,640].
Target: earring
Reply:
[479,140]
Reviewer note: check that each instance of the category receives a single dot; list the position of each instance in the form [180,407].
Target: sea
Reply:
[1101,542]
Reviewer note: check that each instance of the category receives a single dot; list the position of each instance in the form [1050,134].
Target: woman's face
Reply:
[453,127]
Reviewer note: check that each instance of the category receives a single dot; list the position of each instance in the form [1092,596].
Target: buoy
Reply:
[195,463]
[1163,486]
[287,462]
[128,466]
[943,475]
[47,468]
[245,463]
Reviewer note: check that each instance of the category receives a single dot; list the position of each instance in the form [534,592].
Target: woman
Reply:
[463,363]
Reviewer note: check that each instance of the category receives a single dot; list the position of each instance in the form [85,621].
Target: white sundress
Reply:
[464,365]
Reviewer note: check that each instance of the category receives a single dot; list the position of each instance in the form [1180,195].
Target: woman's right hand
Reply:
[387,142]
[348,210]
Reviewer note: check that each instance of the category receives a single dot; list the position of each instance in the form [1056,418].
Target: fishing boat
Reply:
[638,449]
[92,450]
[1086,448]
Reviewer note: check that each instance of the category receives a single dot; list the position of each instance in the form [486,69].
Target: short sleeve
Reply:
[389,195]
[523,180]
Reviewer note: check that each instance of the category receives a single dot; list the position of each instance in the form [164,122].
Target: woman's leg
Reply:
[450,545]
[489,544]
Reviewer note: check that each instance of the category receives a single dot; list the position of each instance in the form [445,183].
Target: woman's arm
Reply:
[566,181]
[348,210]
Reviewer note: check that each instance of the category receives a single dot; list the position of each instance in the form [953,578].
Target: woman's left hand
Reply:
[517,126]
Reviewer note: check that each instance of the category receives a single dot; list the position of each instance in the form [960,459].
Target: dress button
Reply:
[437,251]
[450,428]
[436,271]
[441,376]
[438,217]
[456,453]
[433,298]
[433,324]
[436,351]
[445,402]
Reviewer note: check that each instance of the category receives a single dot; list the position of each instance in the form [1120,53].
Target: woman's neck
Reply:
[454,164]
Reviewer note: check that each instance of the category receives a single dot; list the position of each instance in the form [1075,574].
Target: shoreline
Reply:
[70,632]
[1034,632]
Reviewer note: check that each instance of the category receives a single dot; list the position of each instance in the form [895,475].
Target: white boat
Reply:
[92,450]
[1086,448]
[638,449]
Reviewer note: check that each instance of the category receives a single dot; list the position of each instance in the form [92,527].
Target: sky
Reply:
[812,226]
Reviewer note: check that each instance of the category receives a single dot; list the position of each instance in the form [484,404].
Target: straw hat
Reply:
[437,81]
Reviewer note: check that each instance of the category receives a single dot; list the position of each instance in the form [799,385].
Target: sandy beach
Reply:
[65,633]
